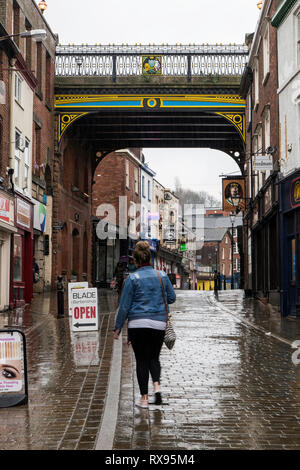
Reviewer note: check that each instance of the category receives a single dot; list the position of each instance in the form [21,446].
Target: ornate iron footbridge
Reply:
[166,61]
[124,96]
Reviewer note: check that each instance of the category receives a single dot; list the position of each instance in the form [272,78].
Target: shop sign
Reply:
[295,192]
[263,163]
[23,214]
[4,209]
[75,286]
[39,216]
[85,309]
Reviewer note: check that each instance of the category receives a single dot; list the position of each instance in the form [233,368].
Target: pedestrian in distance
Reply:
[142,304]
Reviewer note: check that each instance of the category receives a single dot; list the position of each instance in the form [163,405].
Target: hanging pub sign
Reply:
[233,194]
[13,369]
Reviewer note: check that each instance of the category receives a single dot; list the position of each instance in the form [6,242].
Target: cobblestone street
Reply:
[227,385]
[229,382]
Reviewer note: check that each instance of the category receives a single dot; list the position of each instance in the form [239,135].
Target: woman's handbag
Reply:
[170,335]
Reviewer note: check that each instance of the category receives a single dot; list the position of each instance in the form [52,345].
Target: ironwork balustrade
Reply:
[126,60]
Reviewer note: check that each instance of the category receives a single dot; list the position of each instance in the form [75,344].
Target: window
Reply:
[18,88]
[149,224]
[28,46]
[298,38]
[127,173]
[149,190]
[223,269]
[256,84]
[236,249]
[143,186]
[17,162]
[136,180]
[226,240]
[48,77]
[37,152]
[16,22]
[39,64]
[267,128]
[223,253]
[266,52]
[26,163]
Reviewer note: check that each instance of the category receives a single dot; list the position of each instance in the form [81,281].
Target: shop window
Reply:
[18,254]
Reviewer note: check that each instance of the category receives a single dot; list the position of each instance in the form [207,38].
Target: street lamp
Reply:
[43,6]
[37,34]
[232,218]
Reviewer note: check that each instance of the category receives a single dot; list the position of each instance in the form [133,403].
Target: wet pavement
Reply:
[229,382]
[67,374]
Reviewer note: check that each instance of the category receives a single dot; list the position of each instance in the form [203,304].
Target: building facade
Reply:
[286,21]
[28,77]
[116,208]
[261,217]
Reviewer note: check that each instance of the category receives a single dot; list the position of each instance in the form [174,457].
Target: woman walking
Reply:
[142,303]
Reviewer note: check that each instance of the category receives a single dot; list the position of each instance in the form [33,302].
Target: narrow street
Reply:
[226,384]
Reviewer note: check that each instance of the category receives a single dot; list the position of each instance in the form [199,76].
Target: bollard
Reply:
[60,297]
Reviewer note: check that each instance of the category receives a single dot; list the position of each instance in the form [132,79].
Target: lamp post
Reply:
[232,218]
[37,34]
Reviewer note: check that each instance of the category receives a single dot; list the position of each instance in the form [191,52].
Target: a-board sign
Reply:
[13,369]
[84,309]
[71,286]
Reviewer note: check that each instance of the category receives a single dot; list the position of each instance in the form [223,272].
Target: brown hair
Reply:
[142,254]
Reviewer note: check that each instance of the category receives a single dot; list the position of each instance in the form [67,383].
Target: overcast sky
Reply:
[169,22]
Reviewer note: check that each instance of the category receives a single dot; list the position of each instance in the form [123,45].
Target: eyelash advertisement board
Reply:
[13,371]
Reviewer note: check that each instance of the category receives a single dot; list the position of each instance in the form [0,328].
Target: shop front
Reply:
[22,254]
[290,244]
[7,229]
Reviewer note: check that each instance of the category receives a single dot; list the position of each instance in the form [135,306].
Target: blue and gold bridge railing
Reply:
[152,60]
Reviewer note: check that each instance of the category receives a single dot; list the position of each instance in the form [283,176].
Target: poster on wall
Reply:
[11,377]
[233,194]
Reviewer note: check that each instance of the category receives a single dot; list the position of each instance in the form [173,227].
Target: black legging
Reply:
[146,343]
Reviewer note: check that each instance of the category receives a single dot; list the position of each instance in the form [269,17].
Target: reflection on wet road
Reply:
[227,385]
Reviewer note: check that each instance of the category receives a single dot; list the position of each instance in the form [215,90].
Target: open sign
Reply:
[84,309]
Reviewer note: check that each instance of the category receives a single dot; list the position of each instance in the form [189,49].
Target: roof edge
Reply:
[282,12]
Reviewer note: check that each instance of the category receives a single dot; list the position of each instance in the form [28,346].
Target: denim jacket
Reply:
[142,296]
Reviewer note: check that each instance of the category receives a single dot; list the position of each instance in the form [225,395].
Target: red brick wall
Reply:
[4,120]
[227,255]
[112,182]
[73,210]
